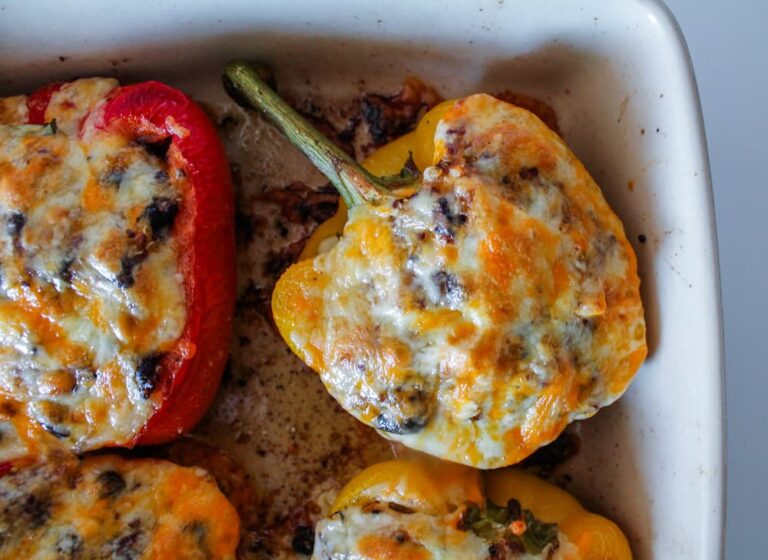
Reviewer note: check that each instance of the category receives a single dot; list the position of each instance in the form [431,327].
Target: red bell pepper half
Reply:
[189,374]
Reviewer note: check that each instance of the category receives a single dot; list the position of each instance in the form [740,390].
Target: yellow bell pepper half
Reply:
[432,486]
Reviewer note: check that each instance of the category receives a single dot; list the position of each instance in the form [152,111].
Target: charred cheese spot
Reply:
[91,291]
[475,319]
[109,507]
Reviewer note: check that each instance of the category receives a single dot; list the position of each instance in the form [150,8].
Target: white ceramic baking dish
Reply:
[619,77]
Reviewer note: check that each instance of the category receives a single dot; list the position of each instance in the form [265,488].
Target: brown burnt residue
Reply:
[389,117]
[299,203]
[547,459]
[280,259]
[338,123]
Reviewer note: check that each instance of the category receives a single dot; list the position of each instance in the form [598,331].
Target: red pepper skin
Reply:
[190,372]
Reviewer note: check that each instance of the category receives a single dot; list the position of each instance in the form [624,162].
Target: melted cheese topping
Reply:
[91,294]
[109,507]
[479,317]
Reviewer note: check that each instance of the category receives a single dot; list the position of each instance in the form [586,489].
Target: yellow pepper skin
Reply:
[594,536]
[424,144]
[390,158]
[290,304]
[429,485]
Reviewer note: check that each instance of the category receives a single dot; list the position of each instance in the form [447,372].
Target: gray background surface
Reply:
[729,46]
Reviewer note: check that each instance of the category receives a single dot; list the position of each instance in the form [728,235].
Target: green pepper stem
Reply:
[354,183]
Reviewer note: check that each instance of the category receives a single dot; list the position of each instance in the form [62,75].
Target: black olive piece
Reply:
[445,208]
[303,540]
[161,215]
[112,484]
[404,409]
[65,270]
[445,232]
[453,218]
[147,373]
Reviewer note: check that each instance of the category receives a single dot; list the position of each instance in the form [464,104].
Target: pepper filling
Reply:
[380,529]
